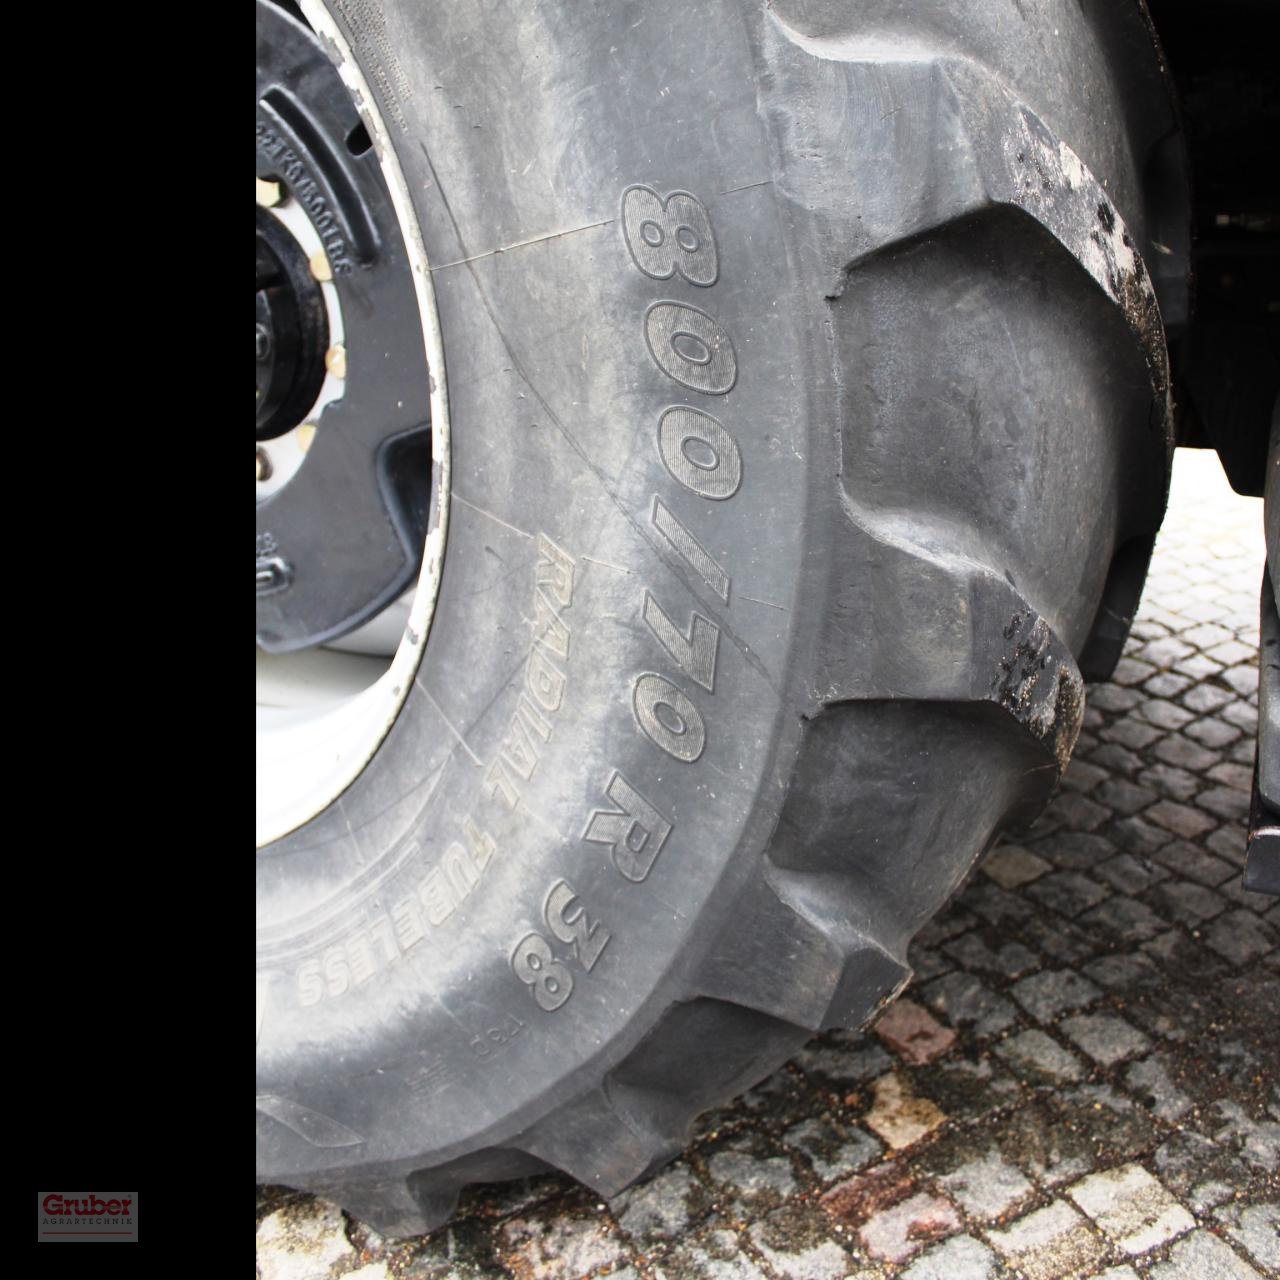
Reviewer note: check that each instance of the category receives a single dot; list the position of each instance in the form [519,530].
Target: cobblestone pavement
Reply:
[1084,1078]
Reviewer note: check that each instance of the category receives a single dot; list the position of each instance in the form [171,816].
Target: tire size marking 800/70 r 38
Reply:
[666,236]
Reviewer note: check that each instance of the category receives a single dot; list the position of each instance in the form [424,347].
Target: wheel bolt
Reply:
[264,466]
[270,194]
[306,434]
[263,342]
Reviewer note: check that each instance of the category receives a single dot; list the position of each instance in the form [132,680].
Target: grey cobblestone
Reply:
[1095,1090]
[1202,1257]
[1045,995]
[960,1258]
[1038,1054]
[986,1187]
[1106,1038]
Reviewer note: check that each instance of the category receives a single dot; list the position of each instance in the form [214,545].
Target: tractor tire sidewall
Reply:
[393,903]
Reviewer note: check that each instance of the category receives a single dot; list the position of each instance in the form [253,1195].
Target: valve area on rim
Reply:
[343,393]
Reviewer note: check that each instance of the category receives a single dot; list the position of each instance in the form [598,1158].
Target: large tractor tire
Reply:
[801,429]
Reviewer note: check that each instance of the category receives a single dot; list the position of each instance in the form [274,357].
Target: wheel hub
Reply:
[343,417]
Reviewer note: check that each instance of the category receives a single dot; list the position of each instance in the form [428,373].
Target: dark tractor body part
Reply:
[1262,867]
[345,536]
[1226,359]
[810,423]
[1262,863]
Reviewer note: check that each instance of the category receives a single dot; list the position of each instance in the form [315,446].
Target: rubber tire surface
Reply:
[781,517]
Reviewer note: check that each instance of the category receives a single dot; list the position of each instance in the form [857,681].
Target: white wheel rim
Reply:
[318,728]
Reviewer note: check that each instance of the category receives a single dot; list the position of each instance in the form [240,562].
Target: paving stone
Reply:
[852,1201]
[1082,776]
[1138,836]
[1075,850]
[303,1240]
[834,1151]
[1047,994]
[960,1258]
[1106,1038]
[1198,667]
[1011,959]
[843,1063]
[1010,865]
[1117,759]
[1200,1172]
[1112,697]
[1201,1256]
[1180,751]
[795,1243]
[899,1116]
[1212,732]
[1190,904]
[559,1246]
[1124,971]
[1229,652]
[1240,936]
[753,1179]
[1153,1083]
[995,905]
[1166,685]
[661,1208]
[987,1186]
[1228,843]
[1243,678]
[1130,874]
[927,962]
[1192,862]
[1125,918]
[1131,671]
[1256,1229]
[1050,1244]
[1180,819]
[1164,652]
[1170,781]
[1164,714]
[1131,1208]
[1131,732]
[1035,1052]
[1258,1140]
[901,1231]
[913,1033]
[712,1255]
[1064,942]
[1226,802]
[1233,776]
[1124,797]
[1068,892]
[964,1000]
[1203,698]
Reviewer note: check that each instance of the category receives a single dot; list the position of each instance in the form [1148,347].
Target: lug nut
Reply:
[270,194]
[335,360]
[263,342]
[264,466]
[320,268]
